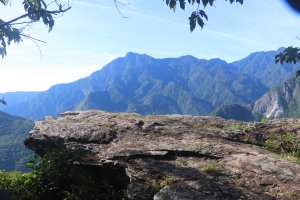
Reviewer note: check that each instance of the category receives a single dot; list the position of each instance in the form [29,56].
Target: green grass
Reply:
[285,144]
[264,120]
[239,126]
[212,168]
[292,159]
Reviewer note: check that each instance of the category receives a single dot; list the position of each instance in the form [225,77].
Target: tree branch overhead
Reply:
[35,10]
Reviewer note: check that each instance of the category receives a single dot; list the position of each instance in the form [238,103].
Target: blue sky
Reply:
[93,33]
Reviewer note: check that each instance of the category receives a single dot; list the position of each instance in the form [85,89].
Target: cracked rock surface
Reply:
[178,156]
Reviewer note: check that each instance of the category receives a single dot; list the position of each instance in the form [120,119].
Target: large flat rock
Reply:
[176,156]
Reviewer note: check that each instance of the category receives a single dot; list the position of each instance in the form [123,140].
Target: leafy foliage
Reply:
[56,175]
[15,185]
[289,55]
[8,34]
[35,11]
[4,2]
[2,101]
[199,15]
[284,143]
[287,144]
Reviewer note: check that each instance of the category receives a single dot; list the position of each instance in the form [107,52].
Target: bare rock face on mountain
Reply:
[269,106]
[176,156]
[282,101]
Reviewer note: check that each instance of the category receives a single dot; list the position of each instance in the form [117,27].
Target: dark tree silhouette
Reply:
[199,15]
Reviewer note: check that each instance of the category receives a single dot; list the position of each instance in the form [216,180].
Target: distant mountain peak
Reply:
[261,53]
[188,57]
[280,49]
[218,60]
[133,55]
[137,59]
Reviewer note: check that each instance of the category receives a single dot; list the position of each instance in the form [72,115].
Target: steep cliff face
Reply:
[176,156]
[282,101]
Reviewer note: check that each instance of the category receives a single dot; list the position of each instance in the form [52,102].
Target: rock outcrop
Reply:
[282,101]
[176,156]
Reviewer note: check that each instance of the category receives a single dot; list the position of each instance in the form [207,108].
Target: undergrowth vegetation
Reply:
[284,143]
[56,175]
[212,168]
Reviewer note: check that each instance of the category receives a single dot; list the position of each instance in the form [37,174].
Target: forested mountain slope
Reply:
[13,130]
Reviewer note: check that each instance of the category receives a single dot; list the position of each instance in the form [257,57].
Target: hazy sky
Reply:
[93,33]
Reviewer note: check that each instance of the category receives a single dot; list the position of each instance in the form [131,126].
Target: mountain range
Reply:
[140,83]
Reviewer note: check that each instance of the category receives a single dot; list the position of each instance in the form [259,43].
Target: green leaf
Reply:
[200,21]
[289,55]
[4,2]
[203,14]
[29,165]
[205,2]
[193,21]
[172,5]
[182,4]
[297,73]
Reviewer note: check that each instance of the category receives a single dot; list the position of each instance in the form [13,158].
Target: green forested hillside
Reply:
[234,111]
[140,83]
[262,66]
[13,130]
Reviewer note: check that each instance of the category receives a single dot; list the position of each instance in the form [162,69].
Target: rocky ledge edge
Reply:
[176,156]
